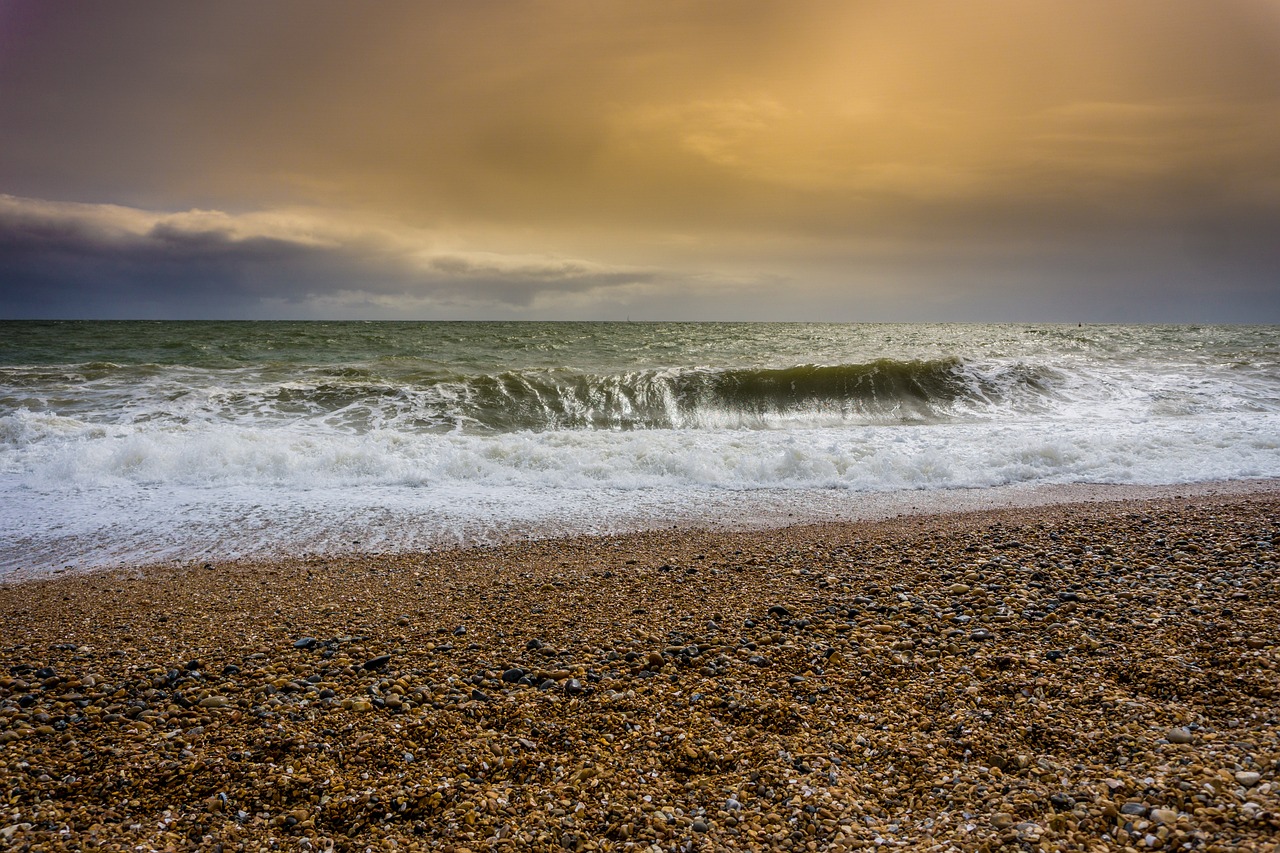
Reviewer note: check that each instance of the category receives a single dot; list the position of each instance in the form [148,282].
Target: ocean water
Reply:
[130,442]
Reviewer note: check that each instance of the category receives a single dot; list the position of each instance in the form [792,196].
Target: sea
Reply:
[125,443]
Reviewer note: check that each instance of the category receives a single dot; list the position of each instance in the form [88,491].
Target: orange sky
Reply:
[744,160]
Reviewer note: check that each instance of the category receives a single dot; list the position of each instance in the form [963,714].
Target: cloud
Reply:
[727,158]
[71,259]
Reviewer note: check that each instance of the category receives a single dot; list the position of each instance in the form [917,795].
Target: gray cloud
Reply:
[75,260]
[724,159]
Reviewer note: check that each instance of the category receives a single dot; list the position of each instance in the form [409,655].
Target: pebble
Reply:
[862,717]
[1248,778]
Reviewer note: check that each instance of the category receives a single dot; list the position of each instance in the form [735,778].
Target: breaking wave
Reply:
[357,399]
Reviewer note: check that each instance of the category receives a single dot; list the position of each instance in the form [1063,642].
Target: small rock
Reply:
[1133,809]
[1248,778]
[958,588]
[1178,735]
[479,695]
[376,663]
[305,643]
[1002,820]
[777,611]
[1169,816]
[573,687]
[214,702]
[700,825]
[1062,802]
[513,675]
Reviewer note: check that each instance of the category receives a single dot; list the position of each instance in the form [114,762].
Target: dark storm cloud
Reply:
[59,260]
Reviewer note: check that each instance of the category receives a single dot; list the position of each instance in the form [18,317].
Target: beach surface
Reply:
[1098,675]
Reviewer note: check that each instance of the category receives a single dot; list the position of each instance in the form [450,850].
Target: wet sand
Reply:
[1090,675]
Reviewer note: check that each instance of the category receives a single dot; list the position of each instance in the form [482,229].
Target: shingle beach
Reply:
[1087,676]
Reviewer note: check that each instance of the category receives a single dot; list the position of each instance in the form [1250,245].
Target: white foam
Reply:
[91,494]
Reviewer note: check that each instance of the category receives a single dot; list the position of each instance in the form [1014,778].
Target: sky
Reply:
[904,160]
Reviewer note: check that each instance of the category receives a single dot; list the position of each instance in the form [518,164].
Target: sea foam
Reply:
[496,433]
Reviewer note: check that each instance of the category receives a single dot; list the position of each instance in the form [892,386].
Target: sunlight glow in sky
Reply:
[895,160]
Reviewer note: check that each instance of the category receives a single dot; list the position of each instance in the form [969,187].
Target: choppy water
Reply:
[146,441]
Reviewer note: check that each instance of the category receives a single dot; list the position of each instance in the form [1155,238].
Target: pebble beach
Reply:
[1080,676]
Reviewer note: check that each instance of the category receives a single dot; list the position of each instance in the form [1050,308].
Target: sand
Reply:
[1099,675]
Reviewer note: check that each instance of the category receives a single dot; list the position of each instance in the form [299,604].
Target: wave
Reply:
[357,399]
[883,391]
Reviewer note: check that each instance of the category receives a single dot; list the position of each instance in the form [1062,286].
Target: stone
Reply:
[376,663]
[1062,802]
[317,754]
[1248,778]
[305,643]
[1179,735]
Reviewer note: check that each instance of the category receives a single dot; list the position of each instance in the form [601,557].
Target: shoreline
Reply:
[1074,675]
[729,511]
